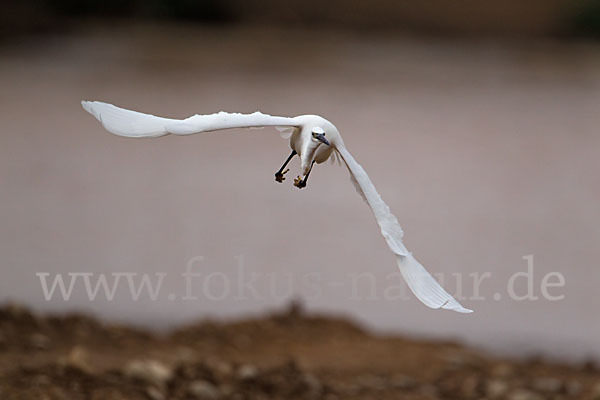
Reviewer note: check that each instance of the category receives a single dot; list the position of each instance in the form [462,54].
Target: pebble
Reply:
[154,394]
[220,367]
[149,371]
[496,388]
[314,387]
[203,390]
[247,372]
[78,358]
[184,354]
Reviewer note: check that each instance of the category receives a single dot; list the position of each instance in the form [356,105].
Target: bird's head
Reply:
[312,139]
[318,136]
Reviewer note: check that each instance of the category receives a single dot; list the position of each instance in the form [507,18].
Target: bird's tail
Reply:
[425,287]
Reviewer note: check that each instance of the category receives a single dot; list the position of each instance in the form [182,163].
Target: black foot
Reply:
[279,175]
[299,182]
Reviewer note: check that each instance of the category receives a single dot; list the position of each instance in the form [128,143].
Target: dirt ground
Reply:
[284,355]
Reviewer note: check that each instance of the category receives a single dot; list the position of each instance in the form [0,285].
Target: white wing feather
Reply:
[335,159]
[286,132]
[422,284]
[135,124]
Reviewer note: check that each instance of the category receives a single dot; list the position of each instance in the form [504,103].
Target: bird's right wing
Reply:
[422,284]
[129,123]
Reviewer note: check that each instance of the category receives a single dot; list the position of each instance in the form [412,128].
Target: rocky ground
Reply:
[287,355]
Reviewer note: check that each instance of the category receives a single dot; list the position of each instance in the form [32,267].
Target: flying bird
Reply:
[312,138]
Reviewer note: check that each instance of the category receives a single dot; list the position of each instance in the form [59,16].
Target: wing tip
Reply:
[87,105]
[459,309]
[453,305]
[425,287]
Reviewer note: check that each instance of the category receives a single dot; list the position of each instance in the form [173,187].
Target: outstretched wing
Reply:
[422,284]
[135,124]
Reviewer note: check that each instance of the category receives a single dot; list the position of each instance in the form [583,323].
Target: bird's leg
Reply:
[279,174]
[300,183]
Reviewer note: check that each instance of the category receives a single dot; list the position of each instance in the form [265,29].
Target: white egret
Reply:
[313,139]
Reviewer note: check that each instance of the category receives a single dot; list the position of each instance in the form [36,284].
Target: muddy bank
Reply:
[283,355]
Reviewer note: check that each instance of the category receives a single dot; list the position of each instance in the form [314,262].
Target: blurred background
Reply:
[476,120]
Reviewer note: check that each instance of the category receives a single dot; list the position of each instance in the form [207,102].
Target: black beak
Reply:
[321,138]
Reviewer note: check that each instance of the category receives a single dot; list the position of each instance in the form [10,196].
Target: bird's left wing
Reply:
[422,284]
[129,123]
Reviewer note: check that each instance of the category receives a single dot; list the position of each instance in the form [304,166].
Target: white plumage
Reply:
[314,139]
[135,124]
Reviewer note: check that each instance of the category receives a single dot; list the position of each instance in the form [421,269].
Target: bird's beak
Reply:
[321,138]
